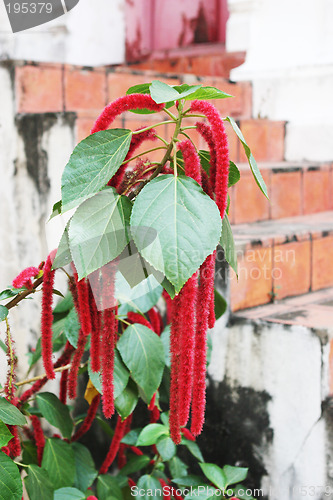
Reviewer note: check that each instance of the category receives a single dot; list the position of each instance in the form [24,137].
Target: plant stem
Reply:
[188,127]
[152,126]
[189,138]
[11,356]
[161,139]
[174,117]
[24,294]
[144,153]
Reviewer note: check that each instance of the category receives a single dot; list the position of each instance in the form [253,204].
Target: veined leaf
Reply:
[10,479]
[228,244]
[38,484]
[59,462]
[55,412]
[9,414]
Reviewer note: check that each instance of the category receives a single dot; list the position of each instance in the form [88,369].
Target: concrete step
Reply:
[294,189]
[282,258]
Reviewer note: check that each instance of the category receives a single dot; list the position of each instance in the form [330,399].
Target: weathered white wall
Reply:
[289,45]
[91,34]
[290,363]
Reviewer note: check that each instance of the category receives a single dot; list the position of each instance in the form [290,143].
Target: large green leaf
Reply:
[162,92]
[10,479]
[252,162]
[193,448]
[38,484]
[205,93]
[234,475]
[187,224]
[215,474]
[126,402]
[166,447]
[142,352]
[135,464]
[165,337]
[29,455]
[72,327]
[92,164]
[3,313]
[59,462]
[228,244]
[55,412]
[234,174]
[9,414]
[5,435]
[150,434]
[141,297]
[107,488]
[220,304]
[98,230]
[63,255]
[85,471]
[177,467]
[120,376]
[151,486]
[69,494]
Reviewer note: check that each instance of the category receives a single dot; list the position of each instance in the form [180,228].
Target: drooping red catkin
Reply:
[114,447]
[203,305]
[154,415]
[109,341]
[187,313]
[165,490]
[92,497]
[122,104]
[95,345]
[38,436]
[211,314]
[82,287]
[121,453]
[152,402]
[14,444]
[206,132]
[188,434]
[168,303]
[87,423]
[24,278]
[136,450]
[74,371]
[221,148]
[47,317]
[191,158]
[156,320]
[175,352]
[63,387]
[136,142]
[62,361]
[130,482]
[134,317]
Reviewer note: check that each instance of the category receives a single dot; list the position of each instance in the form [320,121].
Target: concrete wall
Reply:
[289,47]
[91,34]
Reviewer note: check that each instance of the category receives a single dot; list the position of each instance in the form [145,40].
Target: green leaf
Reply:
[151,486]
[189,480]
[166,447]
[29,455]
[220,304]
[85,471]
[139,298]
[10,479]
[188,220]
[98,230]
[63,255]
[215,474]
[9,414]
[234,174]
[92,164]
[8,293]
[56,210]
[72,327]
[206,491]
[142,352]
[55,412]
[135,464]
[162,92]
[193,448]
[253,164]
[38,484]
[126,402]
[65,305]
[228,244]
[205,160]
[207,93]
[120,376]
[142,88]
[240,492]
[3,313]
[234,475]
[59,462]
[5,434]
[69,494]
[107,487]
[165,337]
[186,90]
[177,467]
[150,434]
[131,437]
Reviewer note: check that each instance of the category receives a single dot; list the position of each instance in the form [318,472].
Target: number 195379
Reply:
[29,8]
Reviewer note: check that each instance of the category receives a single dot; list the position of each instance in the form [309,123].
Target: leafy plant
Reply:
[139,253]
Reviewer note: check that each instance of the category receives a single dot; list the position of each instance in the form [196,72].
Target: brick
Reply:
[250,204]
[316,190]
[39,88]
[322,258]
[85,122]
[254,285]
[84,89]
[265,139]
[238,106]
[286,194]
[291,269]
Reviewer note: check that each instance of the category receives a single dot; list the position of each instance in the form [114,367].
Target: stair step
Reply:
[313,310]
[294,189]
[282,258]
